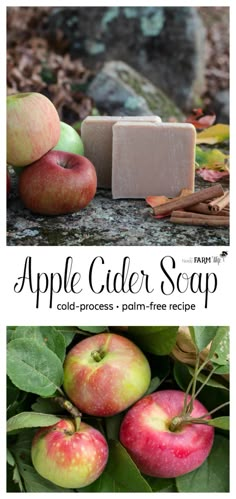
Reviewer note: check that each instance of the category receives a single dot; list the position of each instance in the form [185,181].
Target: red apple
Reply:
[105,373]
[69,140]
[58,183]
[33,127]
[157,451]
[68,457]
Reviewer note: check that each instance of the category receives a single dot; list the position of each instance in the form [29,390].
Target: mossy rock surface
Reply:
[120,90]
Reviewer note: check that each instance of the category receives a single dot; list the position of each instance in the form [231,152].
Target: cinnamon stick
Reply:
[211,221]
[189,214]
[191,199]
[219,203]
[203,208]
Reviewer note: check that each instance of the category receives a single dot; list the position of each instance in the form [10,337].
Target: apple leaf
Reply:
[30,420]
[35,483]
[113,426]
[221,422]
[213,135]
[120,475]
[159,340]
[155,382]
[213,474]
[48,336]
[211,382]
[183,375]
[32,367]
[161,484]
[202,335]
[94,329]
[219,350]
[10,458]
[46,406]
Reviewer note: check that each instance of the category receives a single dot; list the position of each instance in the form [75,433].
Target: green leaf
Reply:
[212,159]
[214,134]
[68,333]
[155,382]
[213,474]
[113,426]
[33,367]
[120,475]
[46,406]
[30,420]
[161,484]
[221,369]
[35,483]
[94,329]
[221,422]
[45,335]
[159,340]
[183,374]
[202,335]
[10,458]
[219,351]
[211,382]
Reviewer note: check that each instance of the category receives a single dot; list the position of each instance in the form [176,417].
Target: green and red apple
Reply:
[33,127]
[69,457]
[157,450]
[105,373]
[58,183]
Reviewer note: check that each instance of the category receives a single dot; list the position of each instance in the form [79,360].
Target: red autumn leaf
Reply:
[201,120]
[156,200]
[212,175]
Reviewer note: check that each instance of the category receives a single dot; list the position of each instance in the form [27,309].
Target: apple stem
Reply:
[77,423]
[98,355]
[177,422]
[68,406]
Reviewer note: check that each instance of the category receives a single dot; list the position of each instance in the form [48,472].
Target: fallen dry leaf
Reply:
[213,135]
[212,175]
[201,120]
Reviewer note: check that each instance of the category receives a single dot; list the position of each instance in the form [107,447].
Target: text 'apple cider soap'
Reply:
[151,159]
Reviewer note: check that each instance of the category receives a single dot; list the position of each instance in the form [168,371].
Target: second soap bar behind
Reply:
[96,134]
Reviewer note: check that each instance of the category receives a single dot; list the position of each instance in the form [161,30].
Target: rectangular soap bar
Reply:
[152,159]
[96,134]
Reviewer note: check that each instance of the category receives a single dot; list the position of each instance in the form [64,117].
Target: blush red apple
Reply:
[157,451]
[105,373]
[58,183]
[68,457]
[33,127]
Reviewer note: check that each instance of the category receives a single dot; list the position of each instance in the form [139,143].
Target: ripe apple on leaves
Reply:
[156,450]
[105,373]
[68,457]
[69,140]
[33,127]
[58,183]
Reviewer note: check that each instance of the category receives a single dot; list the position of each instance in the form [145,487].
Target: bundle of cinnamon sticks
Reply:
[208,206]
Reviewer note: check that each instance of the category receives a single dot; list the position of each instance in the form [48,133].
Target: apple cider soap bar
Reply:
[96,134]
[151,159]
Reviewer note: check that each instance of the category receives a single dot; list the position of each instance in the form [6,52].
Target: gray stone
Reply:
[166,44]
[221,106]
[105,222]
[120,90]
